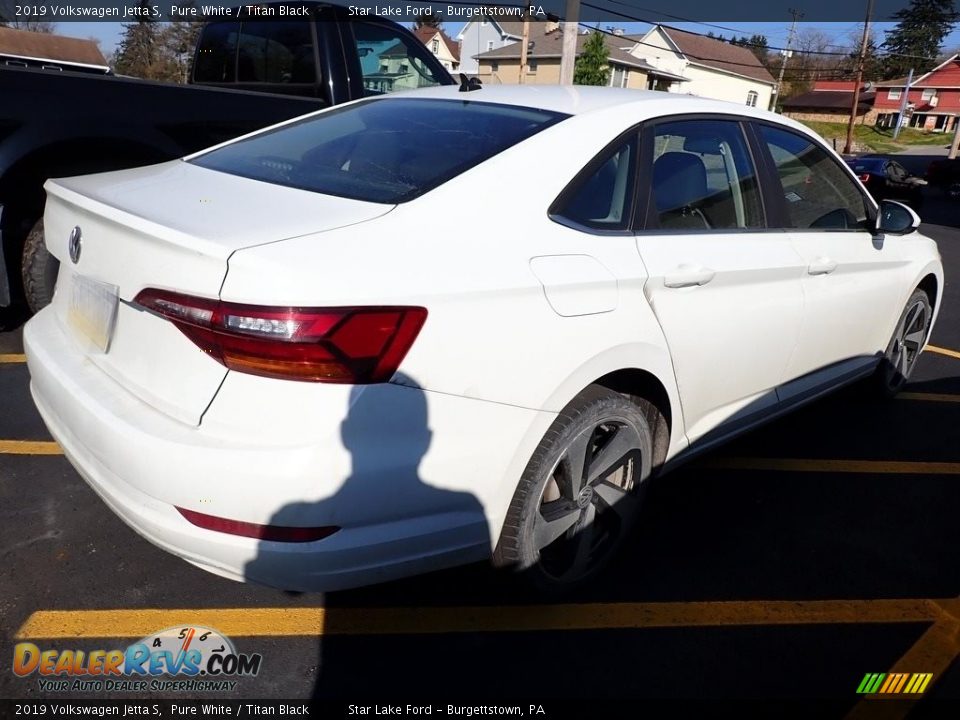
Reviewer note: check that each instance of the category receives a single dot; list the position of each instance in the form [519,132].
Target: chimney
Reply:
[550,25]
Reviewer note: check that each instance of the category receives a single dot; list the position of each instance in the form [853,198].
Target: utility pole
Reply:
[568,55]
[786,54]
[903,104]
[856,89]
[524,42]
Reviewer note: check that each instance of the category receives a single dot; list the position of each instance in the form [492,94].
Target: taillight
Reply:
[356,345]
[865,177]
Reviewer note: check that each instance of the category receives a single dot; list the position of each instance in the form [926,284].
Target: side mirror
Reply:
[896,219]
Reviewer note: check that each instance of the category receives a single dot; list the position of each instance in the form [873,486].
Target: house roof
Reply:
[425,34]
[717,54]
[928,79]
[550,45]
[43,46]
[828,100]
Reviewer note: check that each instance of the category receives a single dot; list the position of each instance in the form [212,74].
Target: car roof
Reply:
[578,99]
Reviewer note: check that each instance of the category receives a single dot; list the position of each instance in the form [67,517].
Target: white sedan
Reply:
[430,328]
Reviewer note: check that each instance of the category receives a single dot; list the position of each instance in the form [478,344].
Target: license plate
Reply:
[92,310]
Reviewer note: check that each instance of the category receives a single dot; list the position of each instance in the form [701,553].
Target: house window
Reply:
[531,66]
[928,94]
[435,46]
[489,44]
[893,94]
[752,98]
[616,79]
[494,66]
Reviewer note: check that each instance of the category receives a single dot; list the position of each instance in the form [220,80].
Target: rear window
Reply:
[386,151]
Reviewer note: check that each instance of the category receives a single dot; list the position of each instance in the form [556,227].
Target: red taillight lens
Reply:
[277,533]
[865,177]
[356,345]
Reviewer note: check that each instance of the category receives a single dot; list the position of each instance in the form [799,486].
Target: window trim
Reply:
[891,96]
[773,186]
[554,211]
[650,224]
[753,98]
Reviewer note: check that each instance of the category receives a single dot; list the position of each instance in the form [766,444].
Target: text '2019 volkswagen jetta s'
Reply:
[429,328]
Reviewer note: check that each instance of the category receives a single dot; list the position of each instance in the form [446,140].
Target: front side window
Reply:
[386,151]
[752,98]
[819,194]
[703,177]
[391,61]
[602,198]
[276,52]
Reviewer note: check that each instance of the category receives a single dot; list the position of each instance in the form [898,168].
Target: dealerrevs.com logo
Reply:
[180,659]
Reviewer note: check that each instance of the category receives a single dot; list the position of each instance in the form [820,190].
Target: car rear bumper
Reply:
[415,480]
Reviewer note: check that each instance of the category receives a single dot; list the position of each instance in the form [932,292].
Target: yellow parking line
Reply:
[831,466]
[929,397]
[944,351]
[242,622]
[12,358]
[29,447]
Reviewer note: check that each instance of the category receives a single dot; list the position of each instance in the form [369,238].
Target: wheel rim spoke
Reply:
[612,454]
[575,461]
[553,521]
[621,501]
[584,537]
[915,339]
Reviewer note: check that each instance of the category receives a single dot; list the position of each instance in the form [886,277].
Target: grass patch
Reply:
[878,139]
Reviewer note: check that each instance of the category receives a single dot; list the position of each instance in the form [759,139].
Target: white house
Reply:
[445,48]
[711,68]
[482,35]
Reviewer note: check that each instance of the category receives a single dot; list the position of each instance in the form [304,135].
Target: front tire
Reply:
[905,346]
[581,491]
[39,270]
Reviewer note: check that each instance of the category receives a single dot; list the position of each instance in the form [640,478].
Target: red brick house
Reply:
[932,104]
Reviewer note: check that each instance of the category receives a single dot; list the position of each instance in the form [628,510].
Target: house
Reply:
[544,50]
[386,67]
[830,101]
[482,35]
[445,48]
[933,102]
[21,48]
[708,67]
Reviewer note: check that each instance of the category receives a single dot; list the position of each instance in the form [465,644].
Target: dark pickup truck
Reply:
[247,74]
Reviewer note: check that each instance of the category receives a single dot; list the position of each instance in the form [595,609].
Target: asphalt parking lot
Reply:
[785,566]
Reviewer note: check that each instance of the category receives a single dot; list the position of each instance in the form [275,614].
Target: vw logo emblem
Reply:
[75,245]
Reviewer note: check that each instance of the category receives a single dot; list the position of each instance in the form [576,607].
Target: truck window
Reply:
[390,60]
[217,53]
[276,52]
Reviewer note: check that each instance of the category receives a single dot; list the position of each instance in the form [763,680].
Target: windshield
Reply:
[386,151]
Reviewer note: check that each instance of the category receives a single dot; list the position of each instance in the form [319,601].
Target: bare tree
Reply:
[39,26]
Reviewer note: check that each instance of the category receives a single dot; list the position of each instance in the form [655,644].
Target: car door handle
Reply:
[821,266]
[688,276]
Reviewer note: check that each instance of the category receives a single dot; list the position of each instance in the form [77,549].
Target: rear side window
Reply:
[703,177]
[819,194]
[276,52]
[390,60]
[386,151]
[603,198]
[216,60]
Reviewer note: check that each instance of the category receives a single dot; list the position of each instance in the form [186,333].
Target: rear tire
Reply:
[905,346]
[581,492]
[39,270]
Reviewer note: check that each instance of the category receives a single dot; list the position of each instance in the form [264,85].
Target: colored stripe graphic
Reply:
[894,683]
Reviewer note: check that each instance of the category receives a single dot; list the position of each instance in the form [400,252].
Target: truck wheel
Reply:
[40,270]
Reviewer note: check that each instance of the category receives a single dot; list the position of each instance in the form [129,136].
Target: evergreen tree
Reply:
[757,44]
[919,34]
[178,41]
[591,67]
[139,50]
[430,20]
